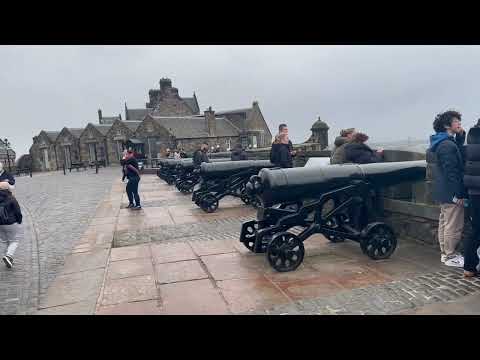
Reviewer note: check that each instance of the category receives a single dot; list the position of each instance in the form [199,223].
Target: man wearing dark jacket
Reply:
[449,191]
[200,155]
[238,153]
[132,173]
[357,152]
[472,184]
[10,217]
[281,155]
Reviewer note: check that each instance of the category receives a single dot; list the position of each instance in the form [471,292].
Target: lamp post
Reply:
[7,146]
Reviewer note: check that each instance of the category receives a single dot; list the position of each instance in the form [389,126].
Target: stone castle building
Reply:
[7,155]
[167,121]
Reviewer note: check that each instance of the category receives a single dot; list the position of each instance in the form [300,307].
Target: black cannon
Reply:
[188,175]
[225,179]
[168,168]
[336,203]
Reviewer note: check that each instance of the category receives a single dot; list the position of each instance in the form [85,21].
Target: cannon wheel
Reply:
[245,199]
[208,203]
[378,241]
[249,237]
[285,252]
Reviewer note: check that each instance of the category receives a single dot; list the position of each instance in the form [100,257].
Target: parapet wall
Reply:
[409,207]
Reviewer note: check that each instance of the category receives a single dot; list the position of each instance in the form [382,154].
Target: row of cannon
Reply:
[293,204]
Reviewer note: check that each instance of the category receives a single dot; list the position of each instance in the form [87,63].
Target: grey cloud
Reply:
[390,92]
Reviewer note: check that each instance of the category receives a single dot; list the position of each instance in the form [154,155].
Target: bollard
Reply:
[96,167]
[30,172]
[64,173]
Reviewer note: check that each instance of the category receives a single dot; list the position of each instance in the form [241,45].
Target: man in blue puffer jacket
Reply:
[449,192]
[472,183]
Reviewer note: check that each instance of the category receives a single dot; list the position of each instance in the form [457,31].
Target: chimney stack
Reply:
[210,122]
[99,116]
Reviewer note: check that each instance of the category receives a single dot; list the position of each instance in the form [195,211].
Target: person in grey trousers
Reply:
[11,230]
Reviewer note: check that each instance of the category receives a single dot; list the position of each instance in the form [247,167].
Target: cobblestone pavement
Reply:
[395,297]
[57,209]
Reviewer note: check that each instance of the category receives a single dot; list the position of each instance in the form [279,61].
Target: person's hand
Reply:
[459,202]
[380,151]
[4,185]
[293,153]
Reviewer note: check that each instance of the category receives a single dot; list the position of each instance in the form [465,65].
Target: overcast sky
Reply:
[389,92]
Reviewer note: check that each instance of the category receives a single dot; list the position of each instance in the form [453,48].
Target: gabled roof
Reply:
[247,111]
[192,104]
[103,128]
[52,135]
[132,125]
[190,127]
[76,131]
[137,114]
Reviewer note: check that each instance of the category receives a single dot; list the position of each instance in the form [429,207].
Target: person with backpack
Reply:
[10,217]
[281,154]
[471,180]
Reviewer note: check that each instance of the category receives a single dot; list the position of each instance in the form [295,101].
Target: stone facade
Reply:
[43,151]
[168,121]
[117,136]
[68,147]
[93,144]
[7,155]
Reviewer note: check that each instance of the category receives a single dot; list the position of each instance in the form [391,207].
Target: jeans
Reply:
[132,190]
[472,242]
[10,235]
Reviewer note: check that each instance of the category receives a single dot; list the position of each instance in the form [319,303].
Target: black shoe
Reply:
[130,206]
[138,207]
[8,260]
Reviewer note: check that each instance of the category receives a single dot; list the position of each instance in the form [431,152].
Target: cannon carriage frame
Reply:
[211,191]
[271,233]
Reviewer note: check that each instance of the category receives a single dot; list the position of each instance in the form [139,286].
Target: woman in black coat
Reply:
[471,181]
[358,152]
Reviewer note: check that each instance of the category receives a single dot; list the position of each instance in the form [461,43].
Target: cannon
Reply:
[188,175]
[336,202]
[225,179]
[172,169]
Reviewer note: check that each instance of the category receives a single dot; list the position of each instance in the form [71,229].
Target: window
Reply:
[228,144]
[254,141]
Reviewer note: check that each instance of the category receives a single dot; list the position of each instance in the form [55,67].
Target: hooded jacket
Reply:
[359,153]
[445,157]
[471,178]
[338,153]
[10,211]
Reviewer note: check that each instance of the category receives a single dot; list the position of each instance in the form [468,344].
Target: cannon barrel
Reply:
[284,185]
[189,164]
[225,169]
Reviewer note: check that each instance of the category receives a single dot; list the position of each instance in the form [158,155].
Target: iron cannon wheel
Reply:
[378,242]
[249,236]
[208,203]
[285,252]
[245,199]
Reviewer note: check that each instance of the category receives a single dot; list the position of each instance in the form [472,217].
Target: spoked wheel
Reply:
[208,203]
[245,199]
[285,252]
[379,241]
[249,235]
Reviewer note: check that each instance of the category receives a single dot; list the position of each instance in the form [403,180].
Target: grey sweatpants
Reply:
[11,235]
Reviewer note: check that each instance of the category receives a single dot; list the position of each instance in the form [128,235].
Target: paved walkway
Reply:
[57,209]
[172,258]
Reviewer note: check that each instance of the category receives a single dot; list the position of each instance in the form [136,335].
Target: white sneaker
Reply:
[443,258]
[455,262]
